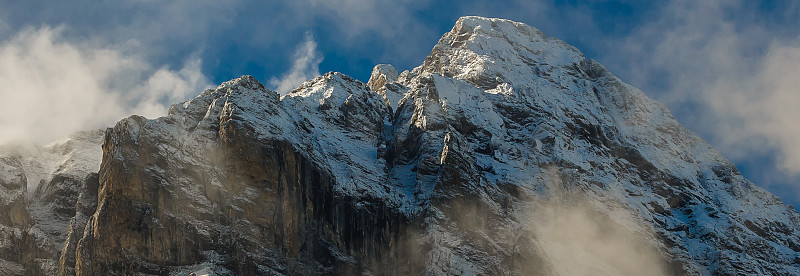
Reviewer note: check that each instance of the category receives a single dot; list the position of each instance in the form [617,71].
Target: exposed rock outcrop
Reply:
[381,75]
[505,153]
[42,185]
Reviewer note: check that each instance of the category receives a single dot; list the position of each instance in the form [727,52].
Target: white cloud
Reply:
[763,107]
[581,239]
[725,72]
[579,235]
[305,67]
[53,87]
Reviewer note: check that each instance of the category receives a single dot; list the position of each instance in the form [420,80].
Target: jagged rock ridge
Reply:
[41,186]
[450,168]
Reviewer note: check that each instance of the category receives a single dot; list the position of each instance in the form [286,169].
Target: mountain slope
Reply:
[40,189]
[505,152]
[608,140]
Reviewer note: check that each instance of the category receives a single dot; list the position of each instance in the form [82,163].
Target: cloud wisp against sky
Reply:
[52,87]
[305,67]
[727,69]
[730,74]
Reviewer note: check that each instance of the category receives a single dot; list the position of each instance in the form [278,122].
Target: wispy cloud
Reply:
[52,87]
[759,112]
[705,59]
[581,239]
[726,72]
[584,236]
[305,67]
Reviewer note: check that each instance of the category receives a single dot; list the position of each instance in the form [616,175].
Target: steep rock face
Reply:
[505,106]
[40,187]
[18,247]
[13,185]
[85,206]
[505,152]
[240,180]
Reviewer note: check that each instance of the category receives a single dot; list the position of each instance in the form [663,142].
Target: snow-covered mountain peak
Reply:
[249,90]
[448,169]
[489,51]
[338,99]
[496,27]
[337,102]
[245,81]
[77,155]
[329,90]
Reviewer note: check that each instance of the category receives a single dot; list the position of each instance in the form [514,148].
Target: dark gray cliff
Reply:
[40,188]
[505,153]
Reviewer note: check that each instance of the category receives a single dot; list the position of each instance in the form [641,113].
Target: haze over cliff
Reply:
[505,152]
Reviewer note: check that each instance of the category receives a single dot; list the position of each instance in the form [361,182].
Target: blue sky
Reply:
[728,70]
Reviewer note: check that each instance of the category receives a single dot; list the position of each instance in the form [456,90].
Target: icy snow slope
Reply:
[498,122]
[505,152]
[516,104]
[40,188]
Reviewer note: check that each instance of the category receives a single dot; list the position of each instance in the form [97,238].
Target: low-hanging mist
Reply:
[578,234]
[580,239]
[304,67]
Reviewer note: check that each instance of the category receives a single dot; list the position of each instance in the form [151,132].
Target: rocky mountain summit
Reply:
[506,152]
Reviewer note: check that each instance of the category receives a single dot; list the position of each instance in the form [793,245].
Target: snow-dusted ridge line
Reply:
[471,147]
[535,101]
